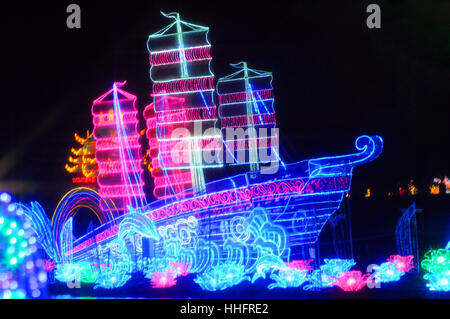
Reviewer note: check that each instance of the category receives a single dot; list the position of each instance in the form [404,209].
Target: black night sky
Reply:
[334,79]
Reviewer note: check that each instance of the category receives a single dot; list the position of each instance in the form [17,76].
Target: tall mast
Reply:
[195,154]
[183,88]
[183,68]
[252,148]
[246,102]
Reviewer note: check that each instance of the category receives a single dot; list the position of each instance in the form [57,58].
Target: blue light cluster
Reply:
[290,277]
[438,281]
[387,272]
[221,277]
[22,266]
[332,268]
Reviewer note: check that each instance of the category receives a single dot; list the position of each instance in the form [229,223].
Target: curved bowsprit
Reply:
[369,147]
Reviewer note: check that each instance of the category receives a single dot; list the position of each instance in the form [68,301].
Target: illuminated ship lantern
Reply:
[247,116]
[83,163]
[183,92]
[118,149]
[225,231]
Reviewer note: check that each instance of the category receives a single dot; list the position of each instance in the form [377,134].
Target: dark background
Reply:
[334,79]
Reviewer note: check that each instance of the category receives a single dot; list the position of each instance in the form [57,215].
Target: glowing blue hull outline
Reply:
[263,229]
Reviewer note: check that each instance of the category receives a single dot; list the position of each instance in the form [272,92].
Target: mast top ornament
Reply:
[178,23]
[171,15]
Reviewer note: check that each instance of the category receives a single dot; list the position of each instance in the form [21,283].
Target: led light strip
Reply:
[173,56]
[186,115]
[242,97]
[110,119]
[183,86]
[242,121]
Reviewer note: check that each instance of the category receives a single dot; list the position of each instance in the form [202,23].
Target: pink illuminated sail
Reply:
[118,151]
[167,151]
